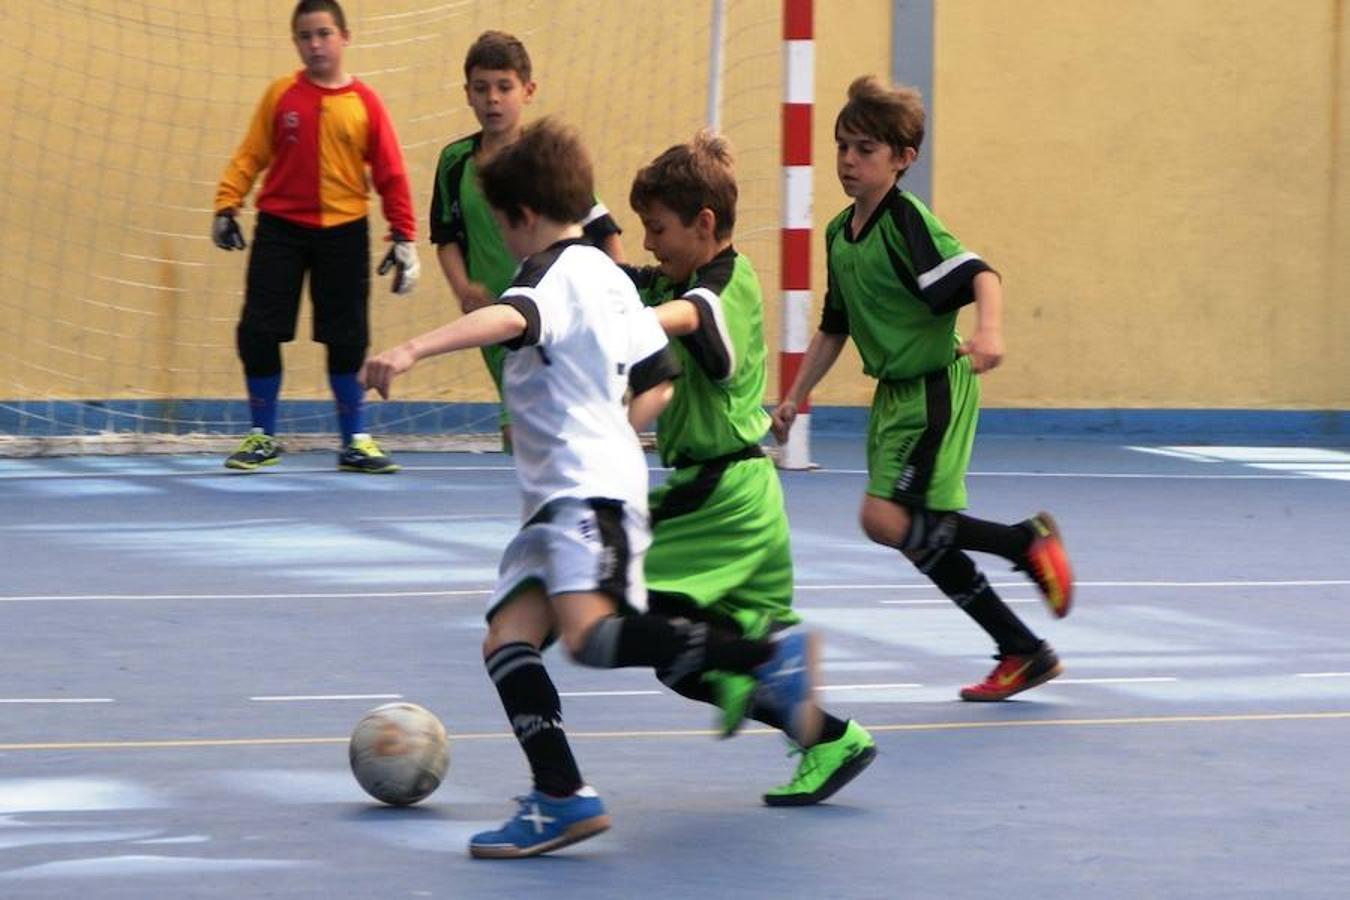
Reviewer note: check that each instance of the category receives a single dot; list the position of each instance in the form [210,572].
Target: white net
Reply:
[117,312]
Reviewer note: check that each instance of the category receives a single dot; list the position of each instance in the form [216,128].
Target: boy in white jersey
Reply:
[578,340]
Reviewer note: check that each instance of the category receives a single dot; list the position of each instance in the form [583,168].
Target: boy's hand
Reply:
[476,296]
[402,258]
[225,231]
[782,418]
[985,350]
[378,372]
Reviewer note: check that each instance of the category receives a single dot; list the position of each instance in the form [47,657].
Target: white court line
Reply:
[1104,475]
[943,601]
[1322,675]
[1147,679]
[912,586]
[868,687]
[609,693]
[483,592]
[306,697]
[57,700]
[346,595]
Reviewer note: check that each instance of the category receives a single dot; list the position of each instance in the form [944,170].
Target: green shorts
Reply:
[494,356]
[919,435]
[721,546]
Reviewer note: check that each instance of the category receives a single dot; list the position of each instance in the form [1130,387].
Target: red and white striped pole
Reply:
[799,90]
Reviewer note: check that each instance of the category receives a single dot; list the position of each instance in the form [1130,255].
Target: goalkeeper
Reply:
[720,546]
[314,133]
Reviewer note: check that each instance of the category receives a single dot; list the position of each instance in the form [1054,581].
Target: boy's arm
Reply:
[821,354]
[985,347]
[495,324]
[251,157]
[471,294]
[643,408]
[387,171]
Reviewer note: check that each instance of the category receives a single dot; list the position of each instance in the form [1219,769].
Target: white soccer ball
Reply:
[399,753]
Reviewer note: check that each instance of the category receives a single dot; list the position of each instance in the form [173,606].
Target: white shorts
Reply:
[579,546]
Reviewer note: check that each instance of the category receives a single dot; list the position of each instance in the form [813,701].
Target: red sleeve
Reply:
[386,166]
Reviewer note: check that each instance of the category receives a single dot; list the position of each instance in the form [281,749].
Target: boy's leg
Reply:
[339,286]
[275,275]
[920,436]
[561,809]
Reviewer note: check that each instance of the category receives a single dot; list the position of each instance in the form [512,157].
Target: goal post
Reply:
[117,314]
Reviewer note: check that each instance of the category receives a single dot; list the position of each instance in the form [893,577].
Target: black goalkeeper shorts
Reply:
[338,262]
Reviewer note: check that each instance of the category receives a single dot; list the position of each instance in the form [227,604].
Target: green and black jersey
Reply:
[895,287]
[718,404]
[461,215]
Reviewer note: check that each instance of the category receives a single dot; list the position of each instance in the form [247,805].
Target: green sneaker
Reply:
[733,693]
[825,768]
[364,455]
[256,449]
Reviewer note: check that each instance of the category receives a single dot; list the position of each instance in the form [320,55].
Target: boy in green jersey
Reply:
[720,547]
[498,83]
[896,281]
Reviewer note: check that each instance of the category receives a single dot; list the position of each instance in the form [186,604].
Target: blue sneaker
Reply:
[543,823]
[786,684]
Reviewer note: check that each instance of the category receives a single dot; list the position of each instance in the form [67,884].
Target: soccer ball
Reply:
[399,753]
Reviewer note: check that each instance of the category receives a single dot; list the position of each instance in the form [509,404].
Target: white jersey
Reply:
[587,339]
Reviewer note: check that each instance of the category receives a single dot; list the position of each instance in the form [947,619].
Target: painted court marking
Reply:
[321,697]
[1113,721]
[483,592]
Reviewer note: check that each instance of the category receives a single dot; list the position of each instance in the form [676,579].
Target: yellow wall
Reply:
[1160,182]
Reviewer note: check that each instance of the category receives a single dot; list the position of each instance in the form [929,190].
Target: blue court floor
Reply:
[185,651]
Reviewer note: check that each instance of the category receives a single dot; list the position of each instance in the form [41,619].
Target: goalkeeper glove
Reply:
[225,232]
[402,258]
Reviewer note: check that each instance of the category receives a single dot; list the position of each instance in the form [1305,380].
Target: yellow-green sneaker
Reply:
[256,449]
[364,455]
[825,768]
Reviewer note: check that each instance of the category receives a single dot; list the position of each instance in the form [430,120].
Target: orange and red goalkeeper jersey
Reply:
[315,143]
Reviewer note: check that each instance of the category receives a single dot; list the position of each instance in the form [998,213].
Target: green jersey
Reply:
[718,404]
[461,215]
[895,287]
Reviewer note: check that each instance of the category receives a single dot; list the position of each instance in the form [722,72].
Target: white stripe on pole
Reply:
[799,72]
[717,51]
[796,319]
[797,197]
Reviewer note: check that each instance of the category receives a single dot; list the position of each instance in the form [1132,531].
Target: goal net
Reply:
[117,313]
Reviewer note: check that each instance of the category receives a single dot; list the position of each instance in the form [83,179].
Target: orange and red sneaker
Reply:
[1048,565]
[1015,673]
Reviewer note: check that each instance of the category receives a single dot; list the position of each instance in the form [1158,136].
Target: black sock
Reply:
[532,704]
[1007,541]
[675,645]
[695,688]
[956,576]
[930,530]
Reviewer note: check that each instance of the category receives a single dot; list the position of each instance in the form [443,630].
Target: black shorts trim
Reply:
[686,498]
[911,488]
[612,577]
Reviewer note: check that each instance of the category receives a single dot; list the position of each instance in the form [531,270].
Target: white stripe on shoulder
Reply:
[715,304]
[945,268]
[599,210]
[519,290]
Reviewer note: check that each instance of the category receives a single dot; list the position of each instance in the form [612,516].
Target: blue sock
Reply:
[262,401]
[351,410]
